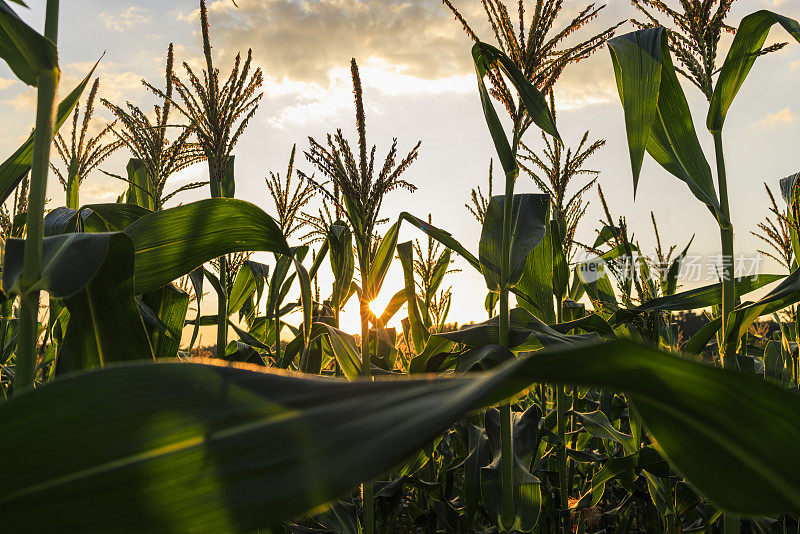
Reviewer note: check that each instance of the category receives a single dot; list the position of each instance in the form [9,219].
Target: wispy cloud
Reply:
[784,116]
[125,19]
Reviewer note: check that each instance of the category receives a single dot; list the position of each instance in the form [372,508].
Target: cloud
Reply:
[128,18]
[305,39]
[784,116]
[403,49]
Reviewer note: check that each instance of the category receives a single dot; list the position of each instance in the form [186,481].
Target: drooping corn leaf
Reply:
[93,274]
[528,226]
[443,237]
[92,218]
[705,296]
[485,55]
[381,262]
[657,116]
[747,43]
[175,241]
[537,279]
[419,334]
[527,332]
[170,305]
[191,447]
[13,169]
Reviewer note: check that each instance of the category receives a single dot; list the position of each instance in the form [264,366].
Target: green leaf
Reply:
[784,295]
[671,280]
[537,280]
[657,116]
[597,424]
[443,237]
[92,218]
[705,296]
[526,332]
[346,351]
[528,227]
[18,164]
[244,285]
[527,493]
[25,50]
[170,304]
[484,55]
[191,447]
[747,43]
[381,262]
[140,190]
[93,273]
[340,240]
[419,334]
[173,242]
[434,346]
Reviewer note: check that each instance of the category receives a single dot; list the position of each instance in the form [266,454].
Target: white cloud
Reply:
[784,116]
[125,19]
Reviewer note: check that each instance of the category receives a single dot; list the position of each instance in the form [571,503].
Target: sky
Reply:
[419,84]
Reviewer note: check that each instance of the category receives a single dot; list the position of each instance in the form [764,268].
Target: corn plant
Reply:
[658,120]
[218,115]
[539,62]
[559,168]
[83,153]
[357,192]
[776,232]
[149,144]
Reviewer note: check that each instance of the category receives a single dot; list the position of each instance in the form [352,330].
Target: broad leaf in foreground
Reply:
[194,447]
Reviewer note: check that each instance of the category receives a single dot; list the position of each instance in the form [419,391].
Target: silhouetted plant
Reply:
[558,169]
[777,233]
[431,264]
[148,141]
[538,51]
[360,191]
[288,202]
[218,115]
[357,193]
[696,28]
[479,201]
[83,153]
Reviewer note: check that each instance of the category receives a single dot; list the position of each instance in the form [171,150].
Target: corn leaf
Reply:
[657,116]
[13,169]
[192,447]
[173,242]
[747,43]
[528,227]
[26,52]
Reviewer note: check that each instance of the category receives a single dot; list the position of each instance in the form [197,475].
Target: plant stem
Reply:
[73,186]
[506,435]
[216,171]
[47,82]
[727,351]
[561,454]
[367,494]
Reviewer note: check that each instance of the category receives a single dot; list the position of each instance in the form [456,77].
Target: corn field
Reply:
[572,403]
